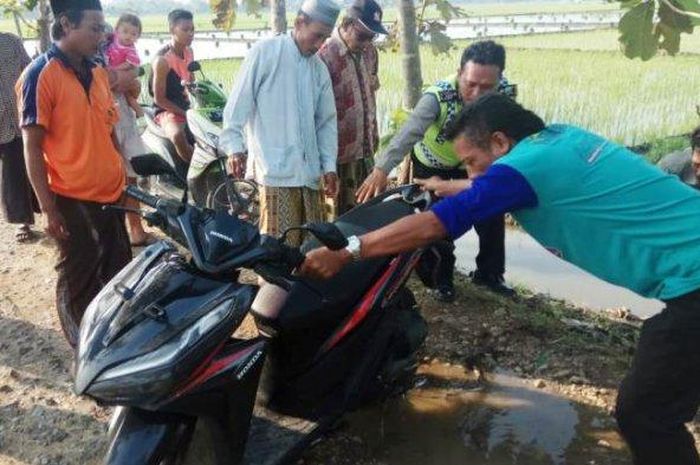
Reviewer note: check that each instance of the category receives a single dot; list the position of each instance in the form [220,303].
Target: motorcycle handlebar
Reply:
[143,197]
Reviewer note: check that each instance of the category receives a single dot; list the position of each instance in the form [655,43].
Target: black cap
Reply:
[369,14]
[61,6]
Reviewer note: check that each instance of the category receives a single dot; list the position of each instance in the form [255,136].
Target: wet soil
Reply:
[524,380]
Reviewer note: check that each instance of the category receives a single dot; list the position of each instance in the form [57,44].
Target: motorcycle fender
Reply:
[147,438]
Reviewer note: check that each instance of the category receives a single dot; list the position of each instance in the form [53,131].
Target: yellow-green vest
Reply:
[434,150]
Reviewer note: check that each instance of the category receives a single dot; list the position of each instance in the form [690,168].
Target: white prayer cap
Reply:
[324,11]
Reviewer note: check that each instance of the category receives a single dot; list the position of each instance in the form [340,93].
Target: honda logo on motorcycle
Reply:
[249,365]
[221,236]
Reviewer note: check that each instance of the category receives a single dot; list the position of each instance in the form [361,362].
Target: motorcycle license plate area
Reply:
[153,324]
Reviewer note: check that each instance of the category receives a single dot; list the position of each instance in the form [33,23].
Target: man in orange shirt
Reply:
[67,114]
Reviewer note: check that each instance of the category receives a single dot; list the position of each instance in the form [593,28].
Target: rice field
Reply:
[157,23]
[632,102]
[597,40]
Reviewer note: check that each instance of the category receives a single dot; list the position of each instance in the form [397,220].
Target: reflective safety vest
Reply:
[435,150]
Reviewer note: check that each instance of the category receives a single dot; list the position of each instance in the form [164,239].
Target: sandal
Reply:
[24,234]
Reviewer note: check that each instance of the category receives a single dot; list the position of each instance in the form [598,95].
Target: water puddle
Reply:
[530,265]
[453,419]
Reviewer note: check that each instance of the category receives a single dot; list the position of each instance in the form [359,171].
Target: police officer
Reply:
[481,70]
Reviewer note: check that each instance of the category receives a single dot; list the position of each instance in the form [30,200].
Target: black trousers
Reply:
[661,391]
[97,249]
[492,234]
[16,194]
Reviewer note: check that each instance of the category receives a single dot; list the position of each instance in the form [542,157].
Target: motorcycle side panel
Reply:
[276,439]
[147,438]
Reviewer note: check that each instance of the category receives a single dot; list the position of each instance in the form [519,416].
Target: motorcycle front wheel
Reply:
[242,202]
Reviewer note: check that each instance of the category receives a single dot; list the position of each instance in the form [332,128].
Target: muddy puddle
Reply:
[452,418]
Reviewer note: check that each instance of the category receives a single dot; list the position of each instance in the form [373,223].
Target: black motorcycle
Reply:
[157,341]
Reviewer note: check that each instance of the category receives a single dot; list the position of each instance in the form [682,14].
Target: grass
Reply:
[630,101]
[598,40]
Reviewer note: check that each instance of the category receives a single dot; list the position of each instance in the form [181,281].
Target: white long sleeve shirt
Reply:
[283,102]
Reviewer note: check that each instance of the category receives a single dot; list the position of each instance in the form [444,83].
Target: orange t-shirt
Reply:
[78,117]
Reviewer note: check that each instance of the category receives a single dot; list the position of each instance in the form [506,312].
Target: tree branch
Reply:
[690,14]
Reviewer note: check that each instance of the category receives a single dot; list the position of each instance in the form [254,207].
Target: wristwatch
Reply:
[354,247]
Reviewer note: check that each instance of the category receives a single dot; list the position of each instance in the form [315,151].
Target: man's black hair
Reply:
[179,15]
[494,112]
[695,138]
[485,52]
[75,17]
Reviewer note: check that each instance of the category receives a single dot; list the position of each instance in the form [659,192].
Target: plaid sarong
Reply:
[351,175]
[285,207]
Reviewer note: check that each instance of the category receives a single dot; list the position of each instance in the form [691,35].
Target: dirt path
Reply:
[557,352]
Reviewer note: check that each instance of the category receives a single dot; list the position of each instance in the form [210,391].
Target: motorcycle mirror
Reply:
[150,164]
[328,234]
[194,66]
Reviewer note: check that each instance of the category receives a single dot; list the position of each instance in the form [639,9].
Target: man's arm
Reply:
[444,187]
[160,79]
[327,134]
[33,137]
[409,233]
[424,114]
[123,77]
[501,189]
[239,106]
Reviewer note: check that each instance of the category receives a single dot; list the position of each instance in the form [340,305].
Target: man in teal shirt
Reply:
[601,207]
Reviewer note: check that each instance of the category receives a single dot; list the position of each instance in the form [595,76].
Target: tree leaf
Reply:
[637,35]
[448,11]
[30,4]
[253,7]
[672,20]
[439,41]
[671,38]
[689,5]
[224,13]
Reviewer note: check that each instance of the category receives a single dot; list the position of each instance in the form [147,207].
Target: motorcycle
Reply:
[157,341]
[205,178]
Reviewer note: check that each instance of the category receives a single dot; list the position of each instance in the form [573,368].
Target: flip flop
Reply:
[24,234]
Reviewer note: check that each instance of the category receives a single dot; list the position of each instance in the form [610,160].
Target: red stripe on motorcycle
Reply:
[363,309]
[214,367]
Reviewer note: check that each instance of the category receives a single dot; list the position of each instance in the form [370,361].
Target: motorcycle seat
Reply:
[153,127]
[314,302]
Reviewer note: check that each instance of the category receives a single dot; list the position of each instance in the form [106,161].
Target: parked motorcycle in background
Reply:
[204,180]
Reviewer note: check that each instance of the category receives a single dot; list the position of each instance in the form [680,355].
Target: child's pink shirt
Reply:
[118,54]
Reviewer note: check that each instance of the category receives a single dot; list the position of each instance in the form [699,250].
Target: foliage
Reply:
[397,118]
[431,24]
[224,12]
[653,25]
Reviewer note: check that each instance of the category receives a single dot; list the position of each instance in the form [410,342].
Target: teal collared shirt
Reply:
[610,212]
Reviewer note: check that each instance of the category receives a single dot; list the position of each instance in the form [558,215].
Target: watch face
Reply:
[354,246]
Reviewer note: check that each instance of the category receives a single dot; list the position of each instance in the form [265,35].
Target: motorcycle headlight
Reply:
[150,376]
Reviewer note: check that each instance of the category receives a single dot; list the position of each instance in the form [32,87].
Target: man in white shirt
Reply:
[283,102]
